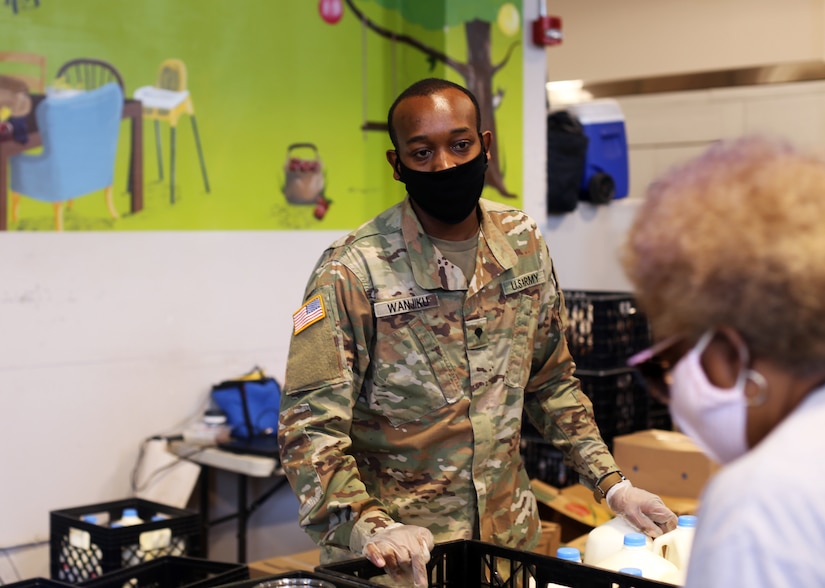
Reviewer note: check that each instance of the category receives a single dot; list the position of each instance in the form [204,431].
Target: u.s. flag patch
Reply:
[311,312]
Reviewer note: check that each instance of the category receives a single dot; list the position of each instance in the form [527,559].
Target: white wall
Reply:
[664,129]
[609,40]
[106,339]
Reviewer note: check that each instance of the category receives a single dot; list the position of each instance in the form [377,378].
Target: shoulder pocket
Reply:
[525,319]
[316,351]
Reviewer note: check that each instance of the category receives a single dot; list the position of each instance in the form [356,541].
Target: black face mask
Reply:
[449,195]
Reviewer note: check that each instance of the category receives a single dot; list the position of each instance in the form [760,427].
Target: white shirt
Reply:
[762,517]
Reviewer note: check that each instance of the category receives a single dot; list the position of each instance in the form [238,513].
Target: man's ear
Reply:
[392,156]
[487,137]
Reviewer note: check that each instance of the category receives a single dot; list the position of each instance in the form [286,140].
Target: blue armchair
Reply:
[79,133]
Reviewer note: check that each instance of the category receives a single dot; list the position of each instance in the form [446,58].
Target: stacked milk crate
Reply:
[132,543]
[604,329]
[87,542]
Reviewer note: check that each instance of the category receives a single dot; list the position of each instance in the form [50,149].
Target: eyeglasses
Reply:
[655,369]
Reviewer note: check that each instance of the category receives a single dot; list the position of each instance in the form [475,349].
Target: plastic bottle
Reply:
[175,544]
[89,564]
[635,554]
[155,542]
[630,572]
[211,430]
[675,545]
[130,554]
[567,554]
[128,518]
[607,539]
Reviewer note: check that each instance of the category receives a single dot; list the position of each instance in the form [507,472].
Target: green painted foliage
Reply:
[436,14]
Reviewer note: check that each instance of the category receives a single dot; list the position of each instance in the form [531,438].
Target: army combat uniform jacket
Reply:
[406,384]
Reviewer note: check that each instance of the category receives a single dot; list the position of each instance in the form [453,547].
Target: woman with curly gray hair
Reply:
[727,258]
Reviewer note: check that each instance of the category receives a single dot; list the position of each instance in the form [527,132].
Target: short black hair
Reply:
[428,87]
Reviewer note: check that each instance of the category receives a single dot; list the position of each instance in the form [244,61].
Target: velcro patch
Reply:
[310,313]
[522,282]
[402,305]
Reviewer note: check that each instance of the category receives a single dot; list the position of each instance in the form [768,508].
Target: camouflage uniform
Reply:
[404,393]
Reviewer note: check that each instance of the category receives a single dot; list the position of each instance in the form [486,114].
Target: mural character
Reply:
[15,105]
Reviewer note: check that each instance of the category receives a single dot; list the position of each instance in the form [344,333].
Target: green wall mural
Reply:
[252,115]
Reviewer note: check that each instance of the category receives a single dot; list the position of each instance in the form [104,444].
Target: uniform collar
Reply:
[495,254]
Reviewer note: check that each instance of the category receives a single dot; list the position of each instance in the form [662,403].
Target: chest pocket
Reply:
[412,374]
[525,310]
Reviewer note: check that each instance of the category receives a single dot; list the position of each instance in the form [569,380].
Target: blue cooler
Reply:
[606,168]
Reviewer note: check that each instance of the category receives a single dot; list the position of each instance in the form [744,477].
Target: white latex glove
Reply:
[641,509]
[403,551]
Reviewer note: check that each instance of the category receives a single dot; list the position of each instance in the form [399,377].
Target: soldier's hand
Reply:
[640,508]
[403,551]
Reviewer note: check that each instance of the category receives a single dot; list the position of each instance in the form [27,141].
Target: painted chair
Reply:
[85,73]
[166,101]
[79,135]
[29,68]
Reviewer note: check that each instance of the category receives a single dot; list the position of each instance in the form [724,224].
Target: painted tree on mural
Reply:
[479,69]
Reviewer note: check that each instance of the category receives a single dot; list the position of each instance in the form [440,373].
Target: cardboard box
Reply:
[573,508]
[304,561]
[550,538]
[663,462]
[680,505]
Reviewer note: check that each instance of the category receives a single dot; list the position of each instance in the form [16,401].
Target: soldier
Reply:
[425,335]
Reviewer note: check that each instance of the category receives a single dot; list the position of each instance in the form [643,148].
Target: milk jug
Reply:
[567,554]
[130,554]
[675,545]
[636,554]
[607,539]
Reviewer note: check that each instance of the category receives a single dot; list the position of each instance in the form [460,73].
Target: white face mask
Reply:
[714,418]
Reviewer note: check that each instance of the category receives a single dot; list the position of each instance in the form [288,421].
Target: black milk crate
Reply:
[39,583]
[475,564]
[604,328]
[172,571]
[303,578]
[620,401]
[658,415]
[81,550]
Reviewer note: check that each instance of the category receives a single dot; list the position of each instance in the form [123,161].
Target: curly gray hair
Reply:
[736,237]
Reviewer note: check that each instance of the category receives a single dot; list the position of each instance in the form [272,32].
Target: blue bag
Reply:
[251,404]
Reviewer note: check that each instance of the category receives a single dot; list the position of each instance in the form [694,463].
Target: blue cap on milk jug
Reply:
[631,571]
[687,521]
[569,554]
[635,540]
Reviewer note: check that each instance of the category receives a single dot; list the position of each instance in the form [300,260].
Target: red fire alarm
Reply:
[546,29]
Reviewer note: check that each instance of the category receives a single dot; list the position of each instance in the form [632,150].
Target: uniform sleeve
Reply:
[328,357]
[554,401]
